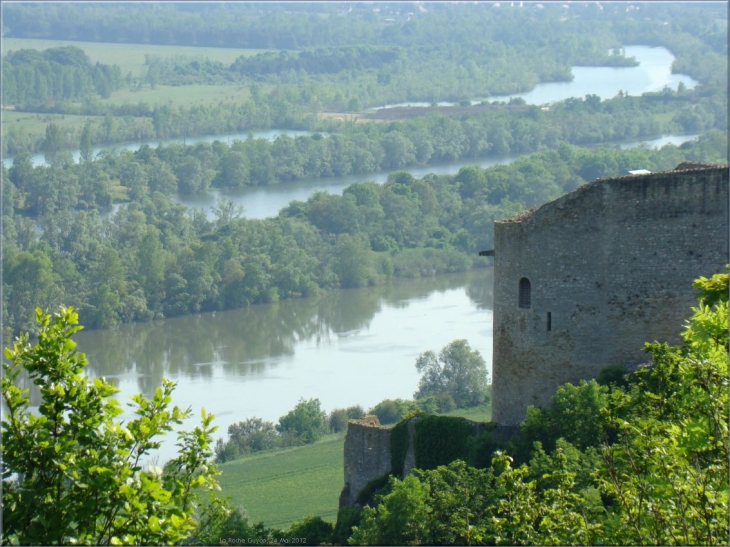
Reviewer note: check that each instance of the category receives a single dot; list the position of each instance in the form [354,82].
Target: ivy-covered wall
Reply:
[373,453]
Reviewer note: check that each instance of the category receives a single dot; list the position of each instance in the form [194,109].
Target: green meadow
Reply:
[281,486]
[184,95]
[130,57]
[31,122]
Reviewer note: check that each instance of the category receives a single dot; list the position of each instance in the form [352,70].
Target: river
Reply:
[345,347]
[267,201]
[652,74]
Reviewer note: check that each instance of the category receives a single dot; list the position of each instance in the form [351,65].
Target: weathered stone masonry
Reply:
[367,456]
[582,282]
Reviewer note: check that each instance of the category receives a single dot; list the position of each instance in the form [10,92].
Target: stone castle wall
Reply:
[610,266]
[367,456]
[368,453]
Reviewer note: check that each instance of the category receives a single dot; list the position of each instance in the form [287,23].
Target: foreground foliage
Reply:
[640,461]
[74,474]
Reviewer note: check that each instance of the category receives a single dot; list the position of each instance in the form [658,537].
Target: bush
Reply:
[389,411]
[339,417]
[226,451]
[72,471]
[306,422]
[347,517]
[311,531]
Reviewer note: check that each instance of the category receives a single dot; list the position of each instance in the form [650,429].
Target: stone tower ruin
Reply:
[584,281]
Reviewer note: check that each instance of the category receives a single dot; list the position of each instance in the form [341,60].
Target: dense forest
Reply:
[155,258]
[365,148]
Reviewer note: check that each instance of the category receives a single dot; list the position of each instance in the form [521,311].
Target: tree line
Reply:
[477,52]
[155,258]
[55,76]
[513,128]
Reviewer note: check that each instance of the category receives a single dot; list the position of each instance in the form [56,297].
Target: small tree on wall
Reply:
[458,373]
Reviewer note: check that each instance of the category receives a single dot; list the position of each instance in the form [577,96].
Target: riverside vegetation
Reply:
[646,465]
[325,60]
[458,378]
[155,258]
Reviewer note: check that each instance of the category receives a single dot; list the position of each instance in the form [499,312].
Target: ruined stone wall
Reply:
[610,266]
[367,456]
[368,452]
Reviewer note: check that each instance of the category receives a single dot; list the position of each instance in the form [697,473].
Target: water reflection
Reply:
[345,347]
[248,341]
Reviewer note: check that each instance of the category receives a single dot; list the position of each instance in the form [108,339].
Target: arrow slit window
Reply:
[525,293]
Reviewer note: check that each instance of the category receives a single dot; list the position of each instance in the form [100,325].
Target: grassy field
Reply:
[130,57]
[36,123]
[482,413]
[186,95]
[282,486]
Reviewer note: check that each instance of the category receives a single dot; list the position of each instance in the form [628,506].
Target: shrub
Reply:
[389,411]
[311,531]
[306,422]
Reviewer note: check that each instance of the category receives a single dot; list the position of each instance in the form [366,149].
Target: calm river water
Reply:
[653,73]
[267,201]
[345,347]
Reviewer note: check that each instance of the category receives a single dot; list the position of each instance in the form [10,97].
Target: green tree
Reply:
[576,414]
[399,518]
[389,411]
[312,530]
[668,470]
[459,372]
[85,144]
[352,261]
[253,435]
[74,474]
[52,144]
[306,423]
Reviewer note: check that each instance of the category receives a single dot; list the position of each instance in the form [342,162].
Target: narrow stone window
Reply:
[550,321]
[369,441]
[525,293]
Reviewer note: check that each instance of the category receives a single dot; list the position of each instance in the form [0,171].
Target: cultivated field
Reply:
[282,486]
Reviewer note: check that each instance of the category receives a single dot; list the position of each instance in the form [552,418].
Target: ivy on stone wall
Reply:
[366,495]
[440,440]
[399,446]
